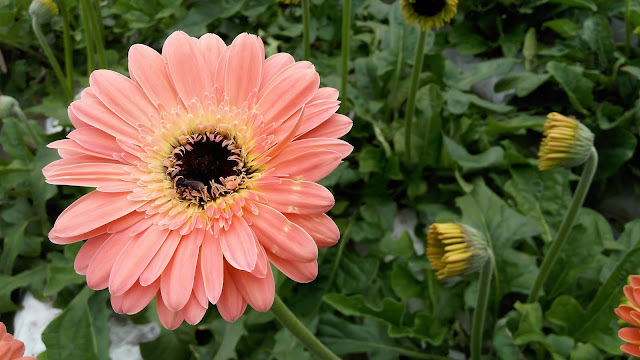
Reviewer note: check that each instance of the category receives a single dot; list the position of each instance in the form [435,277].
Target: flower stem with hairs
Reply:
[85,15]
[567,223]
[96,25]
[68,47]
[481,308]
[306,20]
[68,92]
[291,322]
[346,27]
[411,101]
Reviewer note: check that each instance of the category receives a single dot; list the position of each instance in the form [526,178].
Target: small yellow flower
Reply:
[289,2]
[429,13]
[455,249]
[566,143]
[43,10]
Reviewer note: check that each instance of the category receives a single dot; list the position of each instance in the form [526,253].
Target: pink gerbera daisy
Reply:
[630,313]
[11,348]
[204,164]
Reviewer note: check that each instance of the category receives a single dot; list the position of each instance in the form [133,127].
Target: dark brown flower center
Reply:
[206,167]
[428,7]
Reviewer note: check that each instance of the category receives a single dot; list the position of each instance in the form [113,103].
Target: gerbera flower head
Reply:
[630,313]
[566,143]
[429,13]
[455,249]
[205,165]
[10,347]
[43,10]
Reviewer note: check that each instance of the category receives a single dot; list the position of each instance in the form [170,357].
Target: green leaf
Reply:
[563,26]
[170,345]
[576,86]
[79,333]
[488,213]
[567,313]
[587,4]
[356,273]
[227,335]
[524,82]
[35,275]
[597,34]
[484,70]
[429,102]
[390,312]
[516,125]
[492,157]
[615,147]
[458,102]
[530,328]
[60,273]
[288,347]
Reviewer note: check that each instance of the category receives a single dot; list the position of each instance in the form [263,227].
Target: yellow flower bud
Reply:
[43,10]
[566,143]
[455,249]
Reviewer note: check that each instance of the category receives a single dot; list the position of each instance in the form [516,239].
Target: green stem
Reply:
[346,27]
[306,19]
[96,25]
[627,28]
[88,34]
[52,59]
[291,322]
[68,57]
[411,101]
[567,223]
[343,244]
[481,308]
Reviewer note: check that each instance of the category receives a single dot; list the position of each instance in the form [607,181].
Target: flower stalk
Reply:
[411,101]
[306,33]
[346,30]
[37,30]
[567,223]
[68,48]
[481,307]
[85,15]
[293,324]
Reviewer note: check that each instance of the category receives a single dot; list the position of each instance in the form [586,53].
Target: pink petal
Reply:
[325,93]
[176,282]
[126,221]
[198,283]
[102,262]
[212,263]
[188,72]
[193,311]
[71,239]
[273,65]
[286,93]
[635,280]
[221,70]
[150,71]
[244,68]
[96,114]
[631,349]
[316,113]
[92,211]
[336,126]
[635,296]
[122,96]
[159,262]
[302,272]
[231,303]
[138,297]
[88,174]
[87,252]
[630,335]
[75,120]
[239,245]
[71,146]
[135,258]
[258,293]
[211,47]
[308,166]
[298,197]
[169,319]
[284,133]
[624,312]
[262,262]
[96,140]
[282,237]
[321,228]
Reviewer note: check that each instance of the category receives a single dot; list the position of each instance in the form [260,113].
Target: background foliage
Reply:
[487,82]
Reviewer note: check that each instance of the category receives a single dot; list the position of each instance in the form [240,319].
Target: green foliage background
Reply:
[475,162]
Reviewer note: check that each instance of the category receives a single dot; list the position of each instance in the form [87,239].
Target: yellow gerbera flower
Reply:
[429,13]
[455,249]
[567,143]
